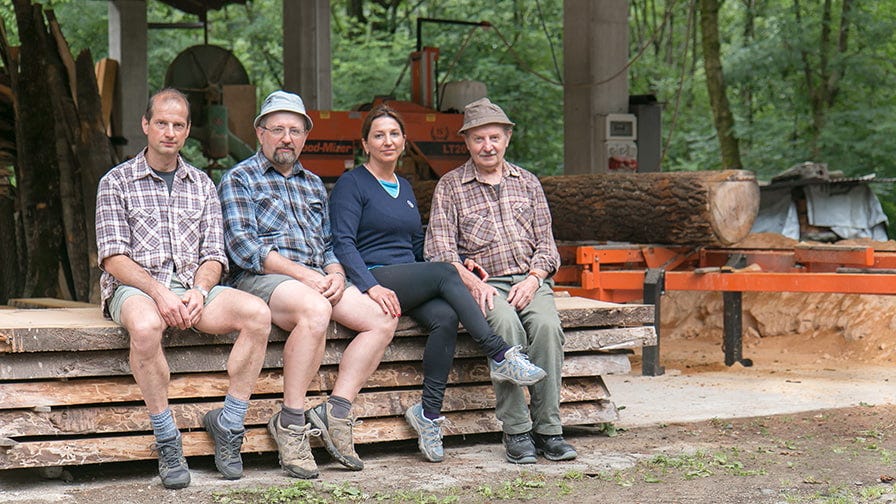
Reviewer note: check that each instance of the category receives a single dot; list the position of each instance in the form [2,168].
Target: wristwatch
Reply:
[537,277]
[201,291]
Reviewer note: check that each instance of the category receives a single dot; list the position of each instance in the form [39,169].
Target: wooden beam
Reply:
[80,329]
[73,392]
[197,359]
[375,430]
[134,418]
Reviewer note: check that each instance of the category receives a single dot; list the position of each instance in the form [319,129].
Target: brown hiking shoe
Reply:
[294,448]
[336,434]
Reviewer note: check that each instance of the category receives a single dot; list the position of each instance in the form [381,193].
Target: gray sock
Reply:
[341,406]
[290,416]
[233,416]
[163,425]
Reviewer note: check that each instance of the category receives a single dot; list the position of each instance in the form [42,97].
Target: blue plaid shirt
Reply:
[265,211]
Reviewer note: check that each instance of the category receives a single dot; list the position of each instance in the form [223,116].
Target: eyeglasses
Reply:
[279,131]
[164,125]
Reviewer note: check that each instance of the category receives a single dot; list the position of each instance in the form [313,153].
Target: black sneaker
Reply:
[227,445]
[553,447]
[519,448]
[172,465]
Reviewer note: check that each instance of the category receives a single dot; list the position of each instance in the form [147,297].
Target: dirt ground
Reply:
[840,455]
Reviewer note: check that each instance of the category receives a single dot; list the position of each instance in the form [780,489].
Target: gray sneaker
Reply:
[294,448]
[336,433]
[429,432]
[227,445]
[516,368]
[172,465]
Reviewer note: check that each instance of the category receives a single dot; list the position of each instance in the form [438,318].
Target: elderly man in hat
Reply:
[491,219]
[277,232]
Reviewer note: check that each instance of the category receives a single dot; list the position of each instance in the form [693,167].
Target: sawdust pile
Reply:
[808,328]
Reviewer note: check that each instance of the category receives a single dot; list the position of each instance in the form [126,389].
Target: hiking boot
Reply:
[293,448]
[428,431]
[336,434]
[553,447]
[516,368]
[227,445]
[172,465]
[519,448]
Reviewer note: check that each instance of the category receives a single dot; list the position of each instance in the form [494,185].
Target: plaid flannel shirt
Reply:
[265,211]
[166,234]
[507,230]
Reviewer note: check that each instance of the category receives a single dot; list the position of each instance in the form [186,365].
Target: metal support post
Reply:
[654,284]
[733,321]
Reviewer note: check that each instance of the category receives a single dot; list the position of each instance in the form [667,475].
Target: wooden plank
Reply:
[197,359]
[80,451]
[106,74]
[584,312]
[36,303]
[54,393]
[84,329]
[134,418]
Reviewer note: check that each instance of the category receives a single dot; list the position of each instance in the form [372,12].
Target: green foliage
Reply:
[765,53]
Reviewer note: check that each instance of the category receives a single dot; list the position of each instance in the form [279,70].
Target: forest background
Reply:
[754,84]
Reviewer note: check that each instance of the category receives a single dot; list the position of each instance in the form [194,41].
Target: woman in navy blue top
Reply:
[378,238]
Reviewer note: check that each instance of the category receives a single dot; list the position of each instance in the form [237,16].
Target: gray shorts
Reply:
[123,292]
[262,286]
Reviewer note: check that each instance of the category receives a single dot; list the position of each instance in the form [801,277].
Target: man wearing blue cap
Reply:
[277,232]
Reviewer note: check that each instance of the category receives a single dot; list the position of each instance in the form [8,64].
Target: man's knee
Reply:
[254,314]
[312,311]
[145,333]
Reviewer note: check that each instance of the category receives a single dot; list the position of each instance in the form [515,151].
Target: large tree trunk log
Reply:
[678,208]
[59,71]
[37,171]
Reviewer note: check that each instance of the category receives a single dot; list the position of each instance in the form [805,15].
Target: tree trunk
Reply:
[37,172]
[10,274]
[675,208]
[715,83]
[59,71]
[95,156]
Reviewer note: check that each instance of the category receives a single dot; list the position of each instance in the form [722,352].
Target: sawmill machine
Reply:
[223,105]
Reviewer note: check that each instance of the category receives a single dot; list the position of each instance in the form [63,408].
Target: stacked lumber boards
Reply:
[67,396]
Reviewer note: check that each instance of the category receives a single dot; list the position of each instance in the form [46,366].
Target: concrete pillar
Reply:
[306,52]
[127,45]
[595,53]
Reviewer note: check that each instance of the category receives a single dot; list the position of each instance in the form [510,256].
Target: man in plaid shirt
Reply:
[491,219]
[277,230]
[161,248]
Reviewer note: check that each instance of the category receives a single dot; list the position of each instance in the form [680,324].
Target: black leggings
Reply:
[433,294]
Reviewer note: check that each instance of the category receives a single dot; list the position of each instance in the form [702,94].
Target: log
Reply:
[37,169]
[677,208]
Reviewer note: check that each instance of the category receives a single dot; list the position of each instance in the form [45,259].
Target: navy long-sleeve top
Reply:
[371,228]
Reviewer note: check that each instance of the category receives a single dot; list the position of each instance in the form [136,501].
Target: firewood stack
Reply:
[67,396]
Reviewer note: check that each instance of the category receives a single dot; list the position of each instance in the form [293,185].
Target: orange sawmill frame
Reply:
[623,273]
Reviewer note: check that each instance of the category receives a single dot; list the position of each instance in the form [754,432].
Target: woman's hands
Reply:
[386,299]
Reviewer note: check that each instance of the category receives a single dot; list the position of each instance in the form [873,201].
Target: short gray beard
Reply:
[284,158]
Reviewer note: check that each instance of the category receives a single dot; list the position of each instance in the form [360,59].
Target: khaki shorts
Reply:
[123,292]
[262,286]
